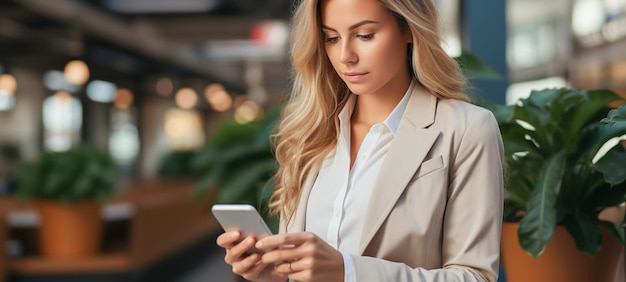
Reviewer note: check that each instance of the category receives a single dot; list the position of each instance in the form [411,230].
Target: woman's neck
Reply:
[375,108]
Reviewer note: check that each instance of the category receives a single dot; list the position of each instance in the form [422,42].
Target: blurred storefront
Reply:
[575,43]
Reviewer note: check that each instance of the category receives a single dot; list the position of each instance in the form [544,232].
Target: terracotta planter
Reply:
[70,230]
[561,260]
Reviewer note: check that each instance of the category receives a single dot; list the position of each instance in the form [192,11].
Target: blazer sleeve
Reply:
[473,215]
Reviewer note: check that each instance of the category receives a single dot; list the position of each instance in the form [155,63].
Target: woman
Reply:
[386,172]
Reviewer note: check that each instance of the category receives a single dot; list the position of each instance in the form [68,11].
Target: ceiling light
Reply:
[76,72]
[186,98]
[123,98]
[101,91]
[8,83]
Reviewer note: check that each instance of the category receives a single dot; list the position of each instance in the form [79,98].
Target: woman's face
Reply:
[366,46]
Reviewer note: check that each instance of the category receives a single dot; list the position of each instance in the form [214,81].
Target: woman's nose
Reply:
[348,55]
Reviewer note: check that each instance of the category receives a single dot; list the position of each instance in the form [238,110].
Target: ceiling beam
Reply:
[177,28]
[140,37]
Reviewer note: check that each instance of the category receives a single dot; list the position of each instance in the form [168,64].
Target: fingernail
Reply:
[259,245]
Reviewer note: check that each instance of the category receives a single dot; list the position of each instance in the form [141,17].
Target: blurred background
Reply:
[159,85]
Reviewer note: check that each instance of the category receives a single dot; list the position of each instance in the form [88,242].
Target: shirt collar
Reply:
[394,118]
[392,121]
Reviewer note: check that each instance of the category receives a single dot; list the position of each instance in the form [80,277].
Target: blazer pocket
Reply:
[429,166]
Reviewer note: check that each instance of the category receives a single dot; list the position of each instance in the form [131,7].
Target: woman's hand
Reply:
[249,266]
[308,258]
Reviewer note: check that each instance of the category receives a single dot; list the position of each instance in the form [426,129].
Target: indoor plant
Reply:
[238,161]
[68,188]
[177,164]
[554,174]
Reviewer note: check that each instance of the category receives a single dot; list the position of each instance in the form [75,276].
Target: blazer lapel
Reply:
[407,151]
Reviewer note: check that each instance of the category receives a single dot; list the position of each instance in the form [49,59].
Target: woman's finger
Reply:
[240,248]
[276,241]
[286,267]
[228,239]
[245,265]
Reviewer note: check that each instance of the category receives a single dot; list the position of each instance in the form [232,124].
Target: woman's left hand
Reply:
[308,258]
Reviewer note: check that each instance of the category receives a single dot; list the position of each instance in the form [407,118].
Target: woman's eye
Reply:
[365,36]
[332,39]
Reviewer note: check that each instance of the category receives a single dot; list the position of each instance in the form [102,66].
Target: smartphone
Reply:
[242,217]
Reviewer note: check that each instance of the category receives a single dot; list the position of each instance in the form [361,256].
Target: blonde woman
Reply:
[386,172]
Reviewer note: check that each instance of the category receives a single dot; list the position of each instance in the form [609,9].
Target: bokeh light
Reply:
[123,98]
[8,84]
[101,91]
[217,97]
[55,80]
[76,72]
[247,112]
[186,98]
[164,86]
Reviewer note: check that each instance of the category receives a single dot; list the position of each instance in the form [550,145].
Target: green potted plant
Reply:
[177,164]
[559,178]
[239,163]
[68,188]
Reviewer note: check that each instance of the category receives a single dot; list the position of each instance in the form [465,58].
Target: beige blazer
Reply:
[436,208]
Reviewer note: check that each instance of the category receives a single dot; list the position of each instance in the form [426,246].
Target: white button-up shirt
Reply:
[340,195]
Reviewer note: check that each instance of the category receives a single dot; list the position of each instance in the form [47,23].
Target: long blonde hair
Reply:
[309,127]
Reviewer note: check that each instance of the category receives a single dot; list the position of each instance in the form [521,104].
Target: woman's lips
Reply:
[354,76]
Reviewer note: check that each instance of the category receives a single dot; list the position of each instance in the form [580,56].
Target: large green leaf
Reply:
[517,141]
[613,165]
[540,120]
[597,135]
[616,116]
[544,98]
[537,226]
[589,111]
[585,232]
[569,101]
[603,197]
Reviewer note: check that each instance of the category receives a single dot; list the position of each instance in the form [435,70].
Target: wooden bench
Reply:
[164,218]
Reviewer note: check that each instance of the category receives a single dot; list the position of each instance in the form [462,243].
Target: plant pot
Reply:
[70,230]
[561,260]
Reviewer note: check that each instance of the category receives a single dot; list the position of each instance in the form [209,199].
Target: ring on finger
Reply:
[290,267]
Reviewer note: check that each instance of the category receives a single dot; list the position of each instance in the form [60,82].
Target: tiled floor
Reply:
[214,269]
